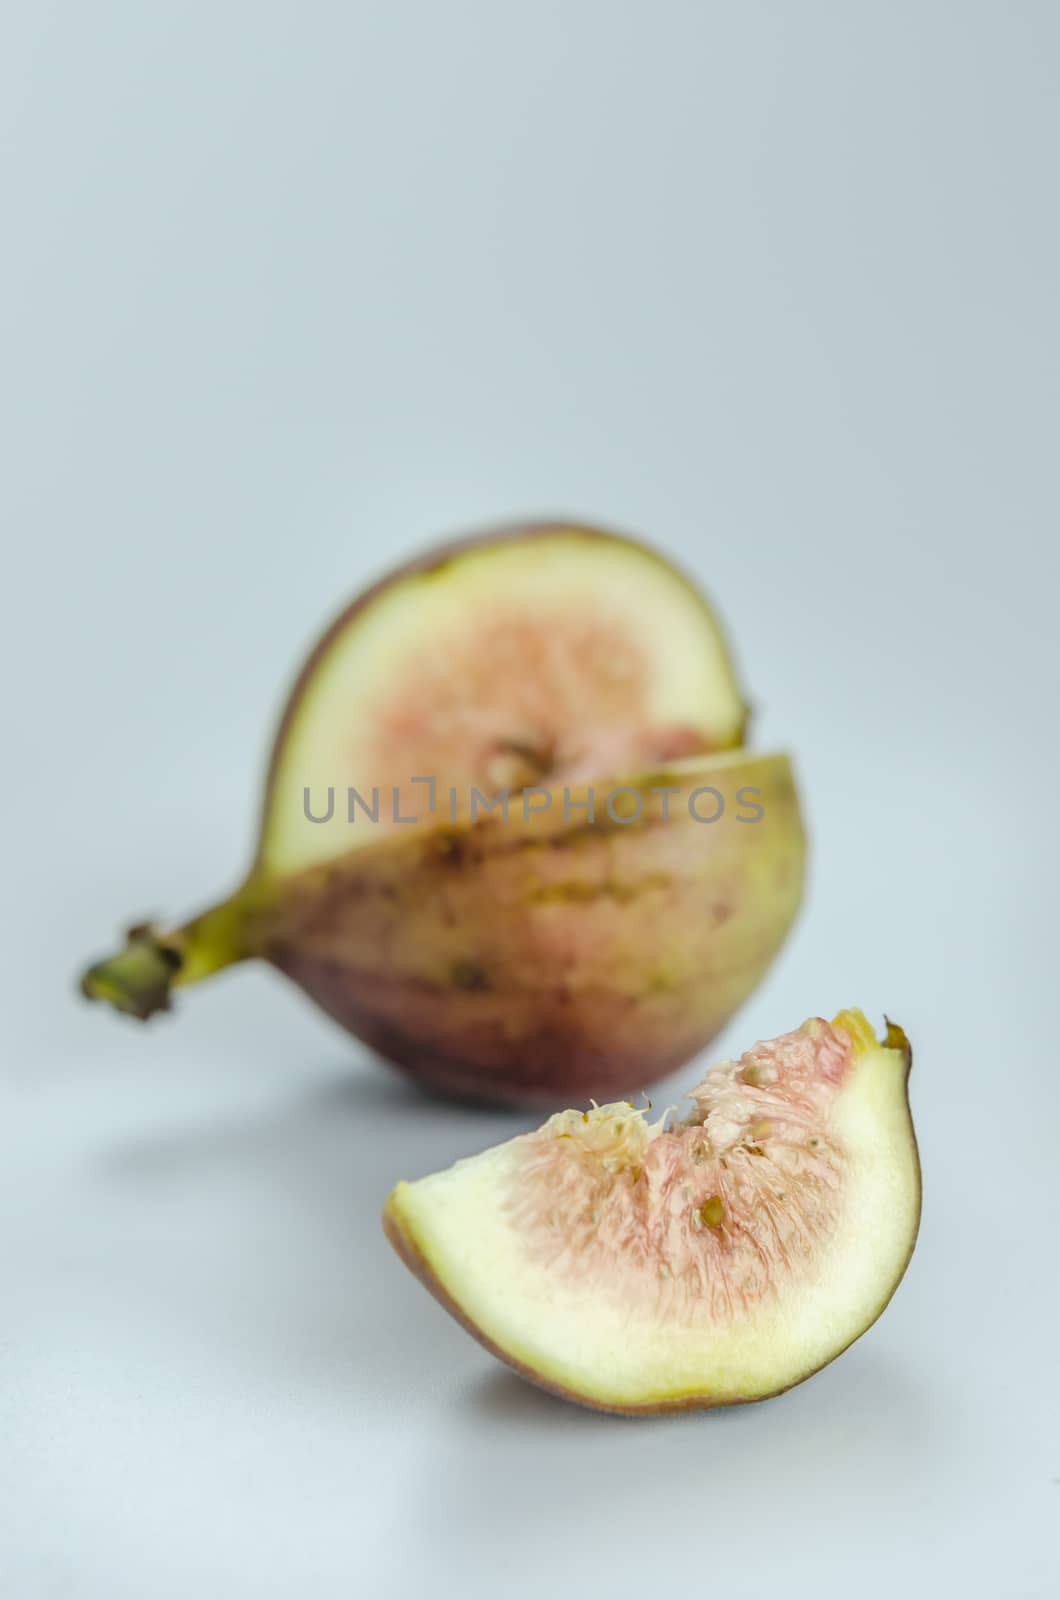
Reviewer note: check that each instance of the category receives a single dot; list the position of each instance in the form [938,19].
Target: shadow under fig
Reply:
[869,1415]
[261,1235]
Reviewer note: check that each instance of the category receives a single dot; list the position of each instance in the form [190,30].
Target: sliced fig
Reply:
[531,656]
[444,862]
[640,1266]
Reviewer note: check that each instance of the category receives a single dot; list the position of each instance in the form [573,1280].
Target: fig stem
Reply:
[136,980]
[139,979]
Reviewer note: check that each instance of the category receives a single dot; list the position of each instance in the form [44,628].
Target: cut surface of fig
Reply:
[640,1266]
[528,658]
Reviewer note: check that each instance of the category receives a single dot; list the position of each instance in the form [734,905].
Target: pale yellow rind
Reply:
[616,1356]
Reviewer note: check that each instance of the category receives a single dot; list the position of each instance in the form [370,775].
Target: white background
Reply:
[289,290]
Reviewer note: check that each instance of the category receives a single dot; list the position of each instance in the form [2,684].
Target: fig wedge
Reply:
[638,1266]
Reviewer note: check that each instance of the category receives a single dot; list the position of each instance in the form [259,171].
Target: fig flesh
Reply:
[528,657]
[481,850]
[639,1266]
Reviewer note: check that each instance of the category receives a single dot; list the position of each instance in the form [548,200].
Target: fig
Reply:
[510,838]
[639,1266]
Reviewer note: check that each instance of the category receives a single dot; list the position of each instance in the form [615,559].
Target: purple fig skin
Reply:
[526,962]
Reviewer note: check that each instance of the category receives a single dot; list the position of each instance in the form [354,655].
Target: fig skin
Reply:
[517,963]
[523,962]
[529,960]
